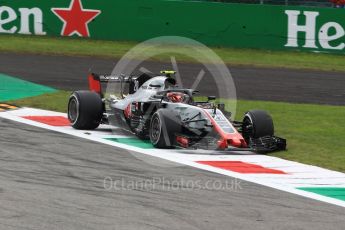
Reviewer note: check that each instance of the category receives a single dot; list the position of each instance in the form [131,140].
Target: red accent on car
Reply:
[94,84]
[127,112]
[183,141]
[236,142]
[222,144]
[234,139]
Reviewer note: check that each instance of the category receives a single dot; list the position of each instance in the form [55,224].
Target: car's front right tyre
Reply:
[257,124]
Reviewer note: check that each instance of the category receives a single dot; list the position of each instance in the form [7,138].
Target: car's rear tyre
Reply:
[163,127]
[256,124]
[85,110]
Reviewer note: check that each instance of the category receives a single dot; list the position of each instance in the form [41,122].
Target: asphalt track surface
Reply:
[251,83]
[53,181]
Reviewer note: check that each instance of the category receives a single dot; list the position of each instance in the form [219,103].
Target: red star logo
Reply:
[75,19]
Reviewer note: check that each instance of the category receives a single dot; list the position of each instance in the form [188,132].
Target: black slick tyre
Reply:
[163,127]
[256,124]
[85,110]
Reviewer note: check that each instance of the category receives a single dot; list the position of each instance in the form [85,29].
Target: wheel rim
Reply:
[247,128]
[73,111]
[155,129]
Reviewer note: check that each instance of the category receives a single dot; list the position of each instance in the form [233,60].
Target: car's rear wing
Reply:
[95,81]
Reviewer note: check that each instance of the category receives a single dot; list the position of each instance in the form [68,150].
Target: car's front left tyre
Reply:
[163,127]
[85,110]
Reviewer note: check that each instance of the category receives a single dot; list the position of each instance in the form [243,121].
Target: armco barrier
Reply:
[215,24]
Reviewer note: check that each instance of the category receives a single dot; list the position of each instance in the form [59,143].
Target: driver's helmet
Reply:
[178,97]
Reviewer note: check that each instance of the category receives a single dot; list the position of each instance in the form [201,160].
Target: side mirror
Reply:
[154,86]
[221,106]
[211,98]
[195,92]
[160,97]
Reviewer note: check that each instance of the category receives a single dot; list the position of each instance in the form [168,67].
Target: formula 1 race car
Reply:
[155,108]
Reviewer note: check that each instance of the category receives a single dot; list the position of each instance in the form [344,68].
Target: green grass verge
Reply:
[51,101]
[313,131]
[111,49]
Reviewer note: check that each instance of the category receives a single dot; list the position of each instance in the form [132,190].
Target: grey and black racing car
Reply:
[153,107]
